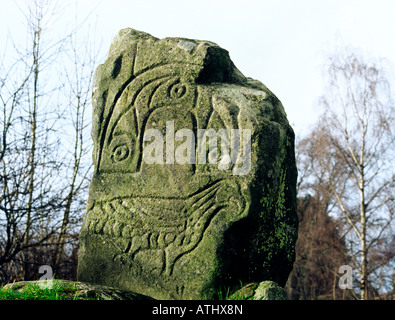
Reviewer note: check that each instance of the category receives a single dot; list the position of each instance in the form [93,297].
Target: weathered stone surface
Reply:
[164,223]
[269,290]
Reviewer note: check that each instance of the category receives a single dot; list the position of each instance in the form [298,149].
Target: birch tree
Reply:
[352,148]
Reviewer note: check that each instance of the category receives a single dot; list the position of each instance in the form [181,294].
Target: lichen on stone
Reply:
[181,231]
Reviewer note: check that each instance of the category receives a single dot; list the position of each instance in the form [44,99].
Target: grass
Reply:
[54,291]
[225,293]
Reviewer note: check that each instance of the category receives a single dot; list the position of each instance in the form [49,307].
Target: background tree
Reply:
[352,150]
[77,89]
[44,158]
[321,248]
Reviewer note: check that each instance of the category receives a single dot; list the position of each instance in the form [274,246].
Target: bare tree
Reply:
[353,149]
[44,158]
[320,248]
[21,155]
[78,96]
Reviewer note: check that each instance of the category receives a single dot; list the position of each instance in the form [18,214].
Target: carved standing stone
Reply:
[169,216]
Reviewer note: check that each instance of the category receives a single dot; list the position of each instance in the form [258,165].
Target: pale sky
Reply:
[282,43]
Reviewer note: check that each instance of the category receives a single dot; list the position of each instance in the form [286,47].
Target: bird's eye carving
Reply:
[120,153]
[177,91]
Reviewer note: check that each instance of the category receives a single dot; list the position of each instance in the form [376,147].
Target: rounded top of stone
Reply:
[213,62]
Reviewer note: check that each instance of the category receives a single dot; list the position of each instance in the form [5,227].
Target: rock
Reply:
[173,213]
[266,290]
[269,290]
[79,290]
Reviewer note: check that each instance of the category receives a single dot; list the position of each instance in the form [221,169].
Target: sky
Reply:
[282,43]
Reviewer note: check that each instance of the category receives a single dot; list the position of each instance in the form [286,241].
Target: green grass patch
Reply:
[64,290]
[52,290]
[240,293]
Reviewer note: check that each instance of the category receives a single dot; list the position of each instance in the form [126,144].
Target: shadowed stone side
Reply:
[181,231]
